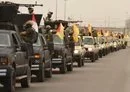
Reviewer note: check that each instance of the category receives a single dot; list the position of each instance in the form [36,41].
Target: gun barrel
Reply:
[21,5]
[29,5]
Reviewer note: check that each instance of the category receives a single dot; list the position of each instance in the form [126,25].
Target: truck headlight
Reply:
[90,49]
[115,44]
[59,56]
[76,51]
[37,56]
[102,46]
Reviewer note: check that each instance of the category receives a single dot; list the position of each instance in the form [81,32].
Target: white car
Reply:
[91,47]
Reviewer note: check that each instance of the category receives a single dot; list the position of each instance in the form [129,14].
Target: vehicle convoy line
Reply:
[30,51]
[109,74]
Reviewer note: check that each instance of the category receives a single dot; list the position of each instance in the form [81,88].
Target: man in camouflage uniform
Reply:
[71,42]
[49,15]
[29,35]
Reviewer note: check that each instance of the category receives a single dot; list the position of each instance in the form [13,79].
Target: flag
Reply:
[60,31]
[75,33]
[99,33]
[106,33]
[33,17]
[90,29]
[35,26]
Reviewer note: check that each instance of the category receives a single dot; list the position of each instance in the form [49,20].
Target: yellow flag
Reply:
[75,33]
[60,31]
[90,28]
[99,33]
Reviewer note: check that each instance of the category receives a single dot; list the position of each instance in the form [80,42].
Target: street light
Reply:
[56,8]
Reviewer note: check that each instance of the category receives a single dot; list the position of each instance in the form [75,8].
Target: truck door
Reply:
[21,63]
[46,51]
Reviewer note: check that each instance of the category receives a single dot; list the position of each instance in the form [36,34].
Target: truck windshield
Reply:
[57,40]
[5,39]
[37,42]
[88,41]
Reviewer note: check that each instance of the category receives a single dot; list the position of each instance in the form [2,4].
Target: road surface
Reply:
[109,74]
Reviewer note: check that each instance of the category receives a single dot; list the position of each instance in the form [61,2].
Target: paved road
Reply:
[109,74]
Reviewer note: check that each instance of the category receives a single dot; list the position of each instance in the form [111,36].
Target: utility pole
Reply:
[65,2]
[105,22]
[56,8]
[108,21]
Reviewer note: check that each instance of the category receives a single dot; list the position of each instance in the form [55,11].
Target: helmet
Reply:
[50,13]
[28,24]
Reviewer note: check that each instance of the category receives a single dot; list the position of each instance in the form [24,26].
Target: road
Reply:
[109,74]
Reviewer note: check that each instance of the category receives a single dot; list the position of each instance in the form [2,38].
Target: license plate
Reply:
[2,74]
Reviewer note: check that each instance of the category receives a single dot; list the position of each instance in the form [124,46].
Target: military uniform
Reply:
[29,36]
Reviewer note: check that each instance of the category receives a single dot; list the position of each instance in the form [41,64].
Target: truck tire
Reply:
[83,62]
[41,74]
[10,85]
[79,62]
[48,74]
[97,56]
[93,58]
[25,83]
[100,54]
[70,67]
[63,68]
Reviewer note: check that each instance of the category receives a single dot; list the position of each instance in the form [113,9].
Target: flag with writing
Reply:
[75,33]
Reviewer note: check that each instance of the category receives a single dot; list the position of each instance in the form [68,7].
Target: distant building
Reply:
[127,26]
[113,29]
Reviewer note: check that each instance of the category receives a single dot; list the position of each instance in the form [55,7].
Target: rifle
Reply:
[19,5]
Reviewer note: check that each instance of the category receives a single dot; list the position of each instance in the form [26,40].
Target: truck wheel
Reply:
[10,85]
[41,73]
[48,73]
[82,62]
[93,58]
[25,83]
[63,68]
[104,53]
[70,67]
[100,54]
[79,62]
[97,56]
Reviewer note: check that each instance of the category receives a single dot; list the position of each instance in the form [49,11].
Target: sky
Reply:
[110,13]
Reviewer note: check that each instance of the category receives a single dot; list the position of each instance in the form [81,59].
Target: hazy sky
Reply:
[95,12]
